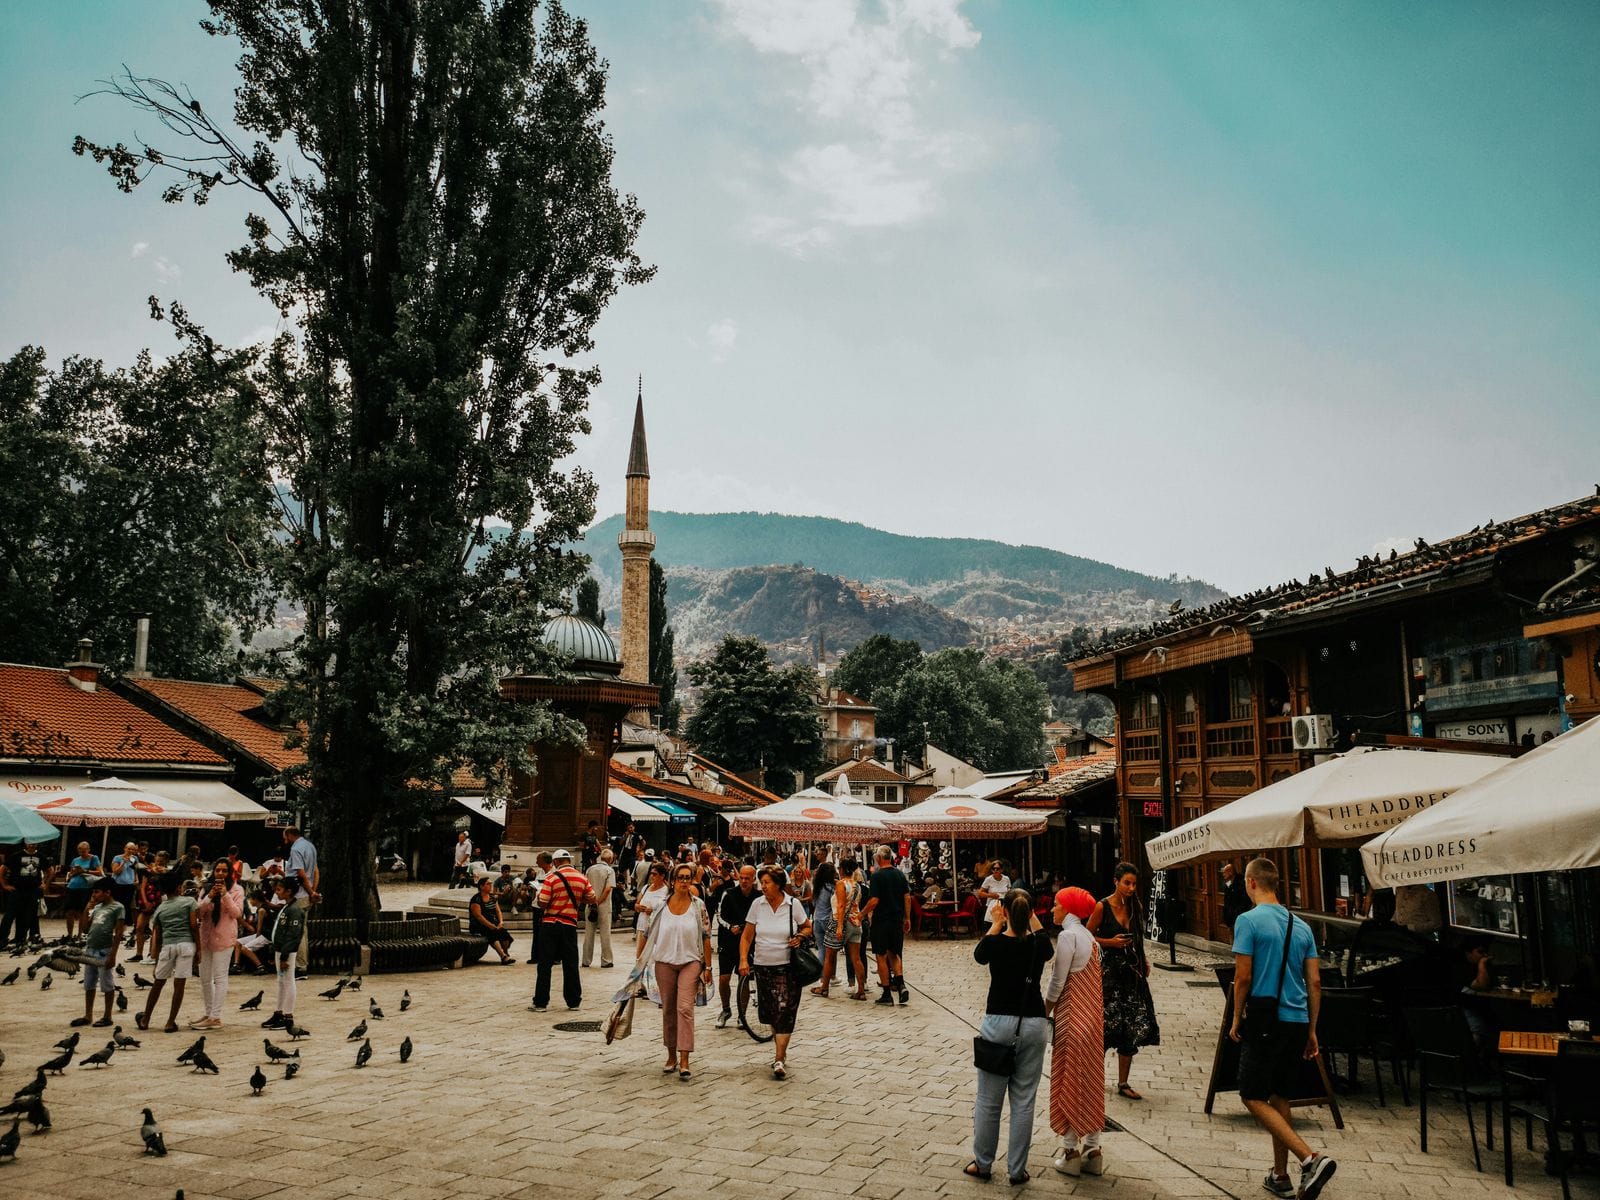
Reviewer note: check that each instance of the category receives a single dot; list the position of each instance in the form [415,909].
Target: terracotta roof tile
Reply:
[44,718]
[864,770]
[636,783]
[228,710]
[1067,778]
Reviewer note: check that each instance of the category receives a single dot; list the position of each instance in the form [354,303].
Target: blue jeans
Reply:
[1021,1087]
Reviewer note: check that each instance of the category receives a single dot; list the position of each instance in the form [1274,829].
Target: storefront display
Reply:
[1489,904]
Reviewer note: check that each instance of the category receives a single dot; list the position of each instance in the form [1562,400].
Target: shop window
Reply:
[1141,747]
[1187,711]
[1241,701]
[1144,712]
[1489,904]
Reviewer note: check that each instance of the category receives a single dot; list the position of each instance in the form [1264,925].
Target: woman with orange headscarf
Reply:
[1077,1058]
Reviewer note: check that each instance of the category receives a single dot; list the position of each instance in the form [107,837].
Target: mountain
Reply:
[784,579]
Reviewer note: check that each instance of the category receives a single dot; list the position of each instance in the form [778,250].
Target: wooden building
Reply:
[1489,637]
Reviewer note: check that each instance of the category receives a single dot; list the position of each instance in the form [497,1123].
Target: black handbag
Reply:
[1261,1012]
[1000,1058]
[803,958]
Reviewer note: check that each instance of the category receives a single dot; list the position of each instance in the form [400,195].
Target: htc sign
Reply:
[1484,729]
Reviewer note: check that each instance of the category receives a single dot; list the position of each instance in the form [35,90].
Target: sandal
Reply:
[684,1075]
[170,1027]
[973,1170]
[1019,1180]
[1127,1093]
[141,1020]
[857,995]
[820,991]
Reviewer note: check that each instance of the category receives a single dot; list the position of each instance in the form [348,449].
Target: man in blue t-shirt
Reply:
[1271,1051]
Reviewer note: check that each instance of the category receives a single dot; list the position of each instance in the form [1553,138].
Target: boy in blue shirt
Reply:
[1270,1054]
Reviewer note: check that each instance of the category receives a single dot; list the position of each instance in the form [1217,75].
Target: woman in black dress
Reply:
[1118,926]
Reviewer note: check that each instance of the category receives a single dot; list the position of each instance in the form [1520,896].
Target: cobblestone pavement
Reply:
[496,1102]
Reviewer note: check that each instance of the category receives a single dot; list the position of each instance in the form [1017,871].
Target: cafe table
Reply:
[1521,1044]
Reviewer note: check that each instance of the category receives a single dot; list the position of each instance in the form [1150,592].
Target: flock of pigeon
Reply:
[27,1103]
[1369,569]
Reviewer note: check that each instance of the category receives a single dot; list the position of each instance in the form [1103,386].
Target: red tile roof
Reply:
[863,770]
[44,718]
[844,699]
[733,782]
[637,783]
[228,711]
[1068,778]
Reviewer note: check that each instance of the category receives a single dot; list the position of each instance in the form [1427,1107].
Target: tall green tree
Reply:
[128,492]
[752,715]
[435,218]
[876,666]
[988,711]
[663,671]
[588,598]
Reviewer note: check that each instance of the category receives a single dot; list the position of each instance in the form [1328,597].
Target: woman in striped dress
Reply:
[1077,1058]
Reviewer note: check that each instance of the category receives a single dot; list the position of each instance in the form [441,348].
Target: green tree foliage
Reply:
[663,672]
[988,711]
[437,223]
[588,598]
[876,666]
[129,492]
[751,715]
[1091,712]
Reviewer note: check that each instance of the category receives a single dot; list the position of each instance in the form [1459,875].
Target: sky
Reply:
[1234,290]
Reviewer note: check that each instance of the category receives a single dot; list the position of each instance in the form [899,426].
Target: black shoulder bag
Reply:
[1261,1012]
[1000,1058]
[807,966]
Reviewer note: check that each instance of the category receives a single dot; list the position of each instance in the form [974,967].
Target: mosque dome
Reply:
[588,648]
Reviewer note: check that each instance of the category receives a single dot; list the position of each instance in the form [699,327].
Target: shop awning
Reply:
[632,807]
[676,813]
[212,795]
[479,805]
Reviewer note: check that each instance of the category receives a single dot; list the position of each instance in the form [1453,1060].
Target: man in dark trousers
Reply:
[733,909]
[1272,1051]
[887,918]
[1235,899]
[562,898]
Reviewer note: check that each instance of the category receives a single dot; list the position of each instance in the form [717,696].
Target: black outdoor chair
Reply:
[1570,1104]
[1345,1026]
[1448,1062]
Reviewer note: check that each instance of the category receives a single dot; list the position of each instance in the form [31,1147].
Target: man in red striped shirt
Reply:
[563,895]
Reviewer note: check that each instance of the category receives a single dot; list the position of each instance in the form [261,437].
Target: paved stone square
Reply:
[496,1102]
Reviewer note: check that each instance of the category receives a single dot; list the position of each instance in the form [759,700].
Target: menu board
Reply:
[1489,904]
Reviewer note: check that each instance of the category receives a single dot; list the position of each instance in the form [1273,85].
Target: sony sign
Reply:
[1481,729]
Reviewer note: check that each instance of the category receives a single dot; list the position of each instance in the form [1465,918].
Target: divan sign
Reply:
[1371,816]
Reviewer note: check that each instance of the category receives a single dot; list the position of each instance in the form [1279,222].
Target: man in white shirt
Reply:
[602,879]
[463,856]
[995,885]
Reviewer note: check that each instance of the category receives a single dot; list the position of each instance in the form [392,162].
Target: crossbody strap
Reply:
[1283,967]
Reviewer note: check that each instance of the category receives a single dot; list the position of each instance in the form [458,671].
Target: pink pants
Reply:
[679,983]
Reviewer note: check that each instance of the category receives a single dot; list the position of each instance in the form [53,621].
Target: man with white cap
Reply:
[562,897]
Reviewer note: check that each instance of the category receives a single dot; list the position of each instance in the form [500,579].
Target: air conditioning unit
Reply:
[1313,732]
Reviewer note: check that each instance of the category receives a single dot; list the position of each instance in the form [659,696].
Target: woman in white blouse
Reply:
[682,957]
[651,898]
[777,924]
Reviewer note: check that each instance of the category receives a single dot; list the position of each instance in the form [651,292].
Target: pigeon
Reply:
[355,984]
[359,1032]
[11,978]
[365,1053]
[296,1032]
[33,1089]
[202,1062]
[123,1043]
[44,984]
[121,970]
[10,1141]
[38,1116]
[405,1050]
[405,1000]
[32,971]
[252,1004]
[198,1047]
[291,1069]
[101,1058]
[69,1044]
[374,1011]
[333,992]
[258,1081]
[276,1053]
[59,1063]
[122,1000]
[154,1143]
[140,981]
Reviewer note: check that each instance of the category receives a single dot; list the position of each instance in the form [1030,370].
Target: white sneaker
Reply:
[778,1071]
[723,1018]
[1068,1162]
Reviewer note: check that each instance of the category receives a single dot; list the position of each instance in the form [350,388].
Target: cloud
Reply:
[139,249]
[720,337]
[856,71]
[168,270]
[1403,544]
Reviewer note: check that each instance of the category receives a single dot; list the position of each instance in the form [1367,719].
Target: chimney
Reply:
[84,674]
[141,648]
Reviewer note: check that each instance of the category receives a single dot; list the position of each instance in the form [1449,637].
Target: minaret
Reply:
[636,542]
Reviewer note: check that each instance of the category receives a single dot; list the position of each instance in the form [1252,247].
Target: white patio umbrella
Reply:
[1341,802]
[116,802]
[1540,812]
[841,785]
[810,816]
[955,813]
